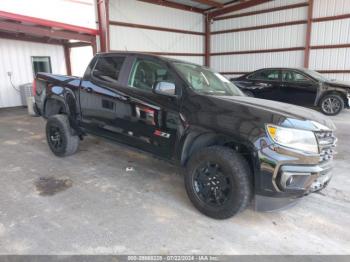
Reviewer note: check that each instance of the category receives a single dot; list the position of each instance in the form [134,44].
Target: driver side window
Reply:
[145,73]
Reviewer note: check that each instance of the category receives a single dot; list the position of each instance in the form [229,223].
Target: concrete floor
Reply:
[108,210]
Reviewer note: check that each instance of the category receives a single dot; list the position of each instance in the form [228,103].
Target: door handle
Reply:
[123,98]
[263,84]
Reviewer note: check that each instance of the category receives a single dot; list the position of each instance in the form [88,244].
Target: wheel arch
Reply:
[54,105]
[63,104]
[244,147]
[331,92]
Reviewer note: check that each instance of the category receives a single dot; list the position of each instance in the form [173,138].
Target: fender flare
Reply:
[68,102]
[58,99]
[196,140]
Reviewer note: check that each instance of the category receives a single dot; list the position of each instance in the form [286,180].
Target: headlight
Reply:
[293,138]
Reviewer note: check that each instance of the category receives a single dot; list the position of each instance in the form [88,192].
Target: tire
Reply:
[60,137]
[249,93]
[332,104]
[233,172]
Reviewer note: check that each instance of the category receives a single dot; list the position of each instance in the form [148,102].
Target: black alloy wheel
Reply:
[60,136]
[218,181]
[55,137]
[211,185]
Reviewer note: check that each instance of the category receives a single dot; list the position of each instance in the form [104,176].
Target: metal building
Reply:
[29,44]
[234,37]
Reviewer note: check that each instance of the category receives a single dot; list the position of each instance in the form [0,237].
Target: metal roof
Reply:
[15,26]
[201,5]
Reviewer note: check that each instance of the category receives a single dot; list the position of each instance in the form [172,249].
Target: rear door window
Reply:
[266,75]
[108,68]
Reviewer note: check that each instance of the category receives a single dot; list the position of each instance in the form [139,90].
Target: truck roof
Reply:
[154,55]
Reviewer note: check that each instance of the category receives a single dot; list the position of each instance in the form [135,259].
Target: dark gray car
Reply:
[297,86]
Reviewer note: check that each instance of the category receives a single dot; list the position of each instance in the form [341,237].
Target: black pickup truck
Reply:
[234,148]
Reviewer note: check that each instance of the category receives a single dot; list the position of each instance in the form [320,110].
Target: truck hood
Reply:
[284,114]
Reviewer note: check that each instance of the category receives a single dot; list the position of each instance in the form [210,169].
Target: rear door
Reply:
[266,84]
[298,88]
[100,94]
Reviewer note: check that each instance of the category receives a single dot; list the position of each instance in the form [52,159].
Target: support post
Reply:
[94,47]
[67,59]
[308,34]
[103,24]
[207,41]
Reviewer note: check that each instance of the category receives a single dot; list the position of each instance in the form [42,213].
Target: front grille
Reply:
[326,142]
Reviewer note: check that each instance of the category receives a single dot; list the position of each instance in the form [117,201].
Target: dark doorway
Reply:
[41,64]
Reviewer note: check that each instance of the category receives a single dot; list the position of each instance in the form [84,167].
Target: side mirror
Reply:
[164,88]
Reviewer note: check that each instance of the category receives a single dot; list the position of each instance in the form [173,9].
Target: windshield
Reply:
[204,81]
[315,74]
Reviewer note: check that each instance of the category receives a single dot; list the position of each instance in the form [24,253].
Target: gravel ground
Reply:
[113,200]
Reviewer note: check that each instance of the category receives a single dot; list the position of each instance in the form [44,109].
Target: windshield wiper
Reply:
[206,80]
[213,92]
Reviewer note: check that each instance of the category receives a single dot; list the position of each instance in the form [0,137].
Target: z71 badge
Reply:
[162,134]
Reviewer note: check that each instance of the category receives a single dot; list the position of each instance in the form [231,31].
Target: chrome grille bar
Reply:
[326,142]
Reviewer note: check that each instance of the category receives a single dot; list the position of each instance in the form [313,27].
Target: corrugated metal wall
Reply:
[334,32]
[331,33]
[136,39]
[15,57]
[269,38]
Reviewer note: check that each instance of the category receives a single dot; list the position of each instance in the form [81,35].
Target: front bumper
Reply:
[295,182]
[305,179]
[287,175]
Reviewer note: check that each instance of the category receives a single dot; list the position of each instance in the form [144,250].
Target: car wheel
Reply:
[332,104]
[218,182]
[249,93]
[60,137]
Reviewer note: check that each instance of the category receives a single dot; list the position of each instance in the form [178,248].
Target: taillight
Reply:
[34,88]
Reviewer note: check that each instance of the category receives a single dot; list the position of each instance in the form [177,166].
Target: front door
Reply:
[154,120]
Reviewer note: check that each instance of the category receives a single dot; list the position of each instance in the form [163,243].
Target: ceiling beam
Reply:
[48,23]
[211,3]
[23,37]
[43,32]
[77,44]
[224,4]
[236,7]
[174,5]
